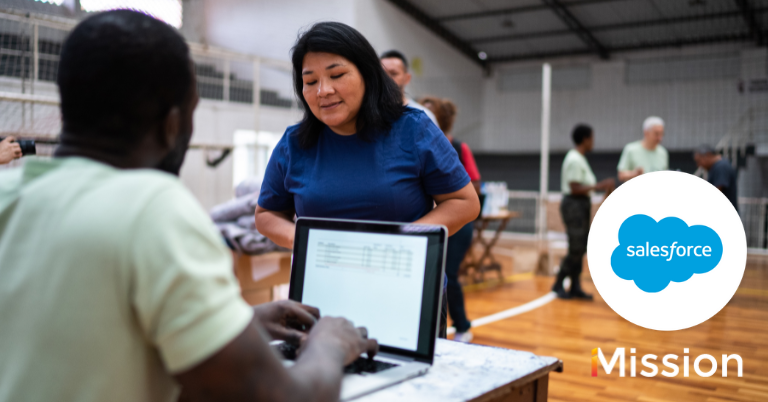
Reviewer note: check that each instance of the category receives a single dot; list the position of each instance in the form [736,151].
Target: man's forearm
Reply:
[247,369]
[580,189]
[626,175]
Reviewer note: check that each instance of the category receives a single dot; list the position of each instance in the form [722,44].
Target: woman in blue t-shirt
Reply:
[358,153]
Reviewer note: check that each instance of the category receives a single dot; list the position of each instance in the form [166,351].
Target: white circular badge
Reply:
[667,251]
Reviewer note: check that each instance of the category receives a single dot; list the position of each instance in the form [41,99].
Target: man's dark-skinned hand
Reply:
[337,333]
[607,185]
[286,320]
[246,369]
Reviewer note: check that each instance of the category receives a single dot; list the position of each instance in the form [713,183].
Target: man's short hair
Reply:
[580,133]
[704,149]
[394,54]
[120,73]
[652,122]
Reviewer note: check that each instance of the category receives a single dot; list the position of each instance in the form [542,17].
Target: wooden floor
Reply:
[570,330]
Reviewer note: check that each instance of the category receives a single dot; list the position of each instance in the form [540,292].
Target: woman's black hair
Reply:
[382,102]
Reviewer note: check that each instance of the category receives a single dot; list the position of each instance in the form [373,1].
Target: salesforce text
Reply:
[671,251]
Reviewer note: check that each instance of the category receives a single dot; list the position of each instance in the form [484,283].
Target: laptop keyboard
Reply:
[359,366]
[364,365]
[288,350]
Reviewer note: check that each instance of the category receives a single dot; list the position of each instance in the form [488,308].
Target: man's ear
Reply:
[171,128]
[407,79]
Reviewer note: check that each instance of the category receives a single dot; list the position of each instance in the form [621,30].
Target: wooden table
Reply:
[475,268]
[466,372]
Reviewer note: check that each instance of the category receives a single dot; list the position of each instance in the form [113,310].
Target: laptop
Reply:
[387,277]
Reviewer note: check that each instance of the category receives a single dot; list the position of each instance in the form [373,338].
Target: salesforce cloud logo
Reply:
[653,254]
[675,273]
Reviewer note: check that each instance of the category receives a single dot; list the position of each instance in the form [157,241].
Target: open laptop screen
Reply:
[384,277]
[381,277]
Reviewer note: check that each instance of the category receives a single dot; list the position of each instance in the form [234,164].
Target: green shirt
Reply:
[576,169]
[635,154]
[110,281]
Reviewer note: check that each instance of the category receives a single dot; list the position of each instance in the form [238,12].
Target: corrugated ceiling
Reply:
[524,29]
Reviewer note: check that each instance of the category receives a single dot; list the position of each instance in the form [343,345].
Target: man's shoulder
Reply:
[634,146]
[151,176]
[109,190]
[10,179]
[10,185]
[159,188]
[79,175]
[145,181]
[102,173]
[722,166]
[569,157]
[574,158]
[145,203]
[576,155]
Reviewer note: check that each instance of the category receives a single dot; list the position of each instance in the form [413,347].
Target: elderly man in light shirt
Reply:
[646,155]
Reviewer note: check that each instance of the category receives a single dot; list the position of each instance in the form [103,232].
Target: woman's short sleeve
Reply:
[274,196]
[442,171]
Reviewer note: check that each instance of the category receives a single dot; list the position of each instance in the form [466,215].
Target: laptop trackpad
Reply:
[355,385]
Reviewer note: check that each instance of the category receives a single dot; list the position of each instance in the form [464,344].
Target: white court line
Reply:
[511,312]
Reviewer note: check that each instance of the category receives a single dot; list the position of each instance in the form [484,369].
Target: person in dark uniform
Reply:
[577,185]
[720,173]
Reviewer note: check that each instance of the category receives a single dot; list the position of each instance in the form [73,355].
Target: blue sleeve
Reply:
[442,171]
[718,176]
[274,196]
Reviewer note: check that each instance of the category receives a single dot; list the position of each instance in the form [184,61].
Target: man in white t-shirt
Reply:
[114,283]
[396,65]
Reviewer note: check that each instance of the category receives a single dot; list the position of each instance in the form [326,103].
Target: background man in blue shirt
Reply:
[720,173]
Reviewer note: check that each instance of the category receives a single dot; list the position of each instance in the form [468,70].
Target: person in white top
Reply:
[396,65]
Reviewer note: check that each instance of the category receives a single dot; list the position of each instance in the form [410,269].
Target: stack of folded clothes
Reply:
[236,221]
